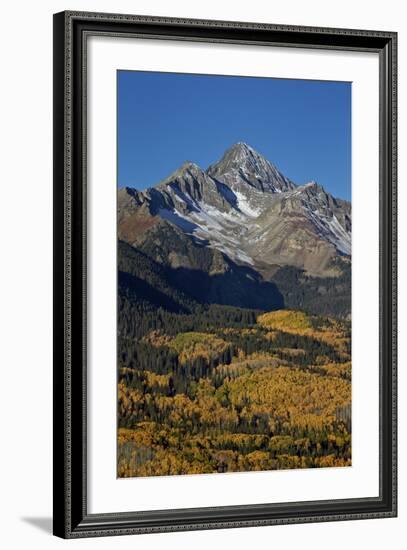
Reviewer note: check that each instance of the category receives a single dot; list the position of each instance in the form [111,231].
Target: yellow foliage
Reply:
[332,332]
[286,320]
[301,397]
[273,408]
[191,345]
[157,338]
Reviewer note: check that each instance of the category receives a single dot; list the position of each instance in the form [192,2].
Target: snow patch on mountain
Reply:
[245,206]
[177,219]
[342,240]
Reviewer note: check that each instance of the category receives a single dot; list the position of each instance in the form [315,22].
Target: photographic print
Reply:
[225,274]
[234,274]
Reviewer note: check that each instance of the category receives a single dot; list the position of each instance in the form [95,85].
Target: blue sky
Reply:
[165,119]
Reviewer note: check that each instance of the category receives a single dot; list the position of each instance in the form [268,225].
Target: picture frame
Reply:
[71,514]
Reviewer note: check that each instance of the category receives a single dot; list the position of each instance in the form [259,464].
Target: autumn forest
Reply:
[224,389]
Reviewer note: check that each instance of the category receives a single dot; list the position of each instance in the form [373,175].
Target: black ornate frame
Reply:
[71,518]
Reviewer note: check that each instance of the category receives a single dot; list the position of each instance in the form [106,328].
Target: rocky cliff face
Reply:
[242,168]
[241,210]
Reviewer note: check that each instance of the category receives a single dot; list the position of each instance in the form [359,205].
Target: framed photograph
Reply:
[224,274]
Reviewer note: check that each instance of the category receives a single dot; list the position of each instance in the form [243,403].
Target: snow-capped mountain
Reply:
[242,168]
[244,208]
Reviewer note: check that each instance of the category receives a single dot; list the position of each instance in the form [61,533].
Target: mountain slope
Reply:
[206,277]
[245,208]
[225,233]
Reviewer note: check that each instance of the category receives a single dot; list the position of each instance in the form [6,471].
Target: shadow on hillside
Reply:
[239,287]
[142,278]
[139,290]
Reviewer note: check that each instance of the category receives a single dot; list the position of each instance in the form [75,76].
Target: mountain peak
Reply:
[242,148]
[314,186]
[246,209]
[243,166]
[241,152]
[189,165]
[187,170]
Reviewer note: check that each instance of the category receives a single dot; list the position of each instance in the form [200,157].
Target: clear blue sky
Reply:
[165,119]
